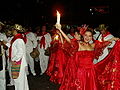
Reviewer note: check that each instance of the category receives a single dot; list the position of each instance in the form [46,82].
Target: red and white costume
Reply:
[44,41]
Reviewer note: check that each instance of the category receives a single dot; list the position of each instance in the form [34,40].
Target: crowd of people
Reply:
[78,58]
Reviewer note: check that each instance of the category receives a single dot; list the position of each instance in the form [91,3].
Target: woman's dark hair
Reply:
[77,31]
[89,31]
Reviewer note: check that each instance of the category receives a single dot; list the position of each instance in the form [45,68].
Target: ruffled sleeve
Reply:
[99,47]
[71,48]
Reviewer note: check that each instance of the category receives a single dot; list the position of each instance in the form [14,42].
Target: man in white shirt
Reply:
[44,40]
[17,56]
[31,43]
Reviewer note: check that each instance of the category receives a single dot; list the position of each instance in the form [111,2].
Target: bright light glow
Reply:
[56,37]
[90,9]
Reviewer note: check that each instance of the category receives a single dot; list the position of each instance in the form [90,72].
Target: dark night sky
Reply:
[73,11]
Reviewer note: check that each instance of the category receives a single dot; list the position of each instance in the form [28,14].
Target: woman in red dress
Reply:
[80,71]
[58,59]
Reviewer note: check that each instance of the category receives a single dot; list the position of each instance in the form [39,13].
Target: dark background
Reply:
[37,12]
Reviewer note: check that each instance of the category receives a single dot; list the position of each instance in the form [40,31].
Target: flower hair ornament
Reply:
[83,29]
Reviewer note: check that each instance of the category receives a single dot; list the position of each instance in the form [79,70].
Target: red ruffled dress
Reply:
[80,71]
[108,70]
[57,62]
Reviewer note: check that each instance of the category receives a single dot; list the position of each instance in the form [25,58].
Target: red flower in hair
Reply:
[83,29]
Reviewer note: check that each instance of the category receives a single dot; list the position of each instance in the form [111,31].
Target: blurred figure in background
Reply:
[3,38]
[44,40]
[104,36]
[31,44]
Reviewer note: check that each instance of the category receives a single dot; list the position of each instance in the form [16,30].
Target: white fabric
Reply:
[8,61]
[105,51]
[31,43]
[2,72]
[19,53]
[43,58]
[95,36]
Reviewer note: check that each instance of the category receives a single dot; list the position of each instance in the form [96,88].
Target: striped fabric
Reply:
[15,68]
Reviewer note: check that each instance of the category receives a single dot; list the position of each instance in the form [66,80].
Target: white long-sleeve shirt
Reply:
[31,42]
[18,50]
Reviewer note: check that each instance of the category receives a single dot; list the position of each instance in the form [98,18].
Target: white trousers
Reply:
[30,62]
[2,80]
[9,70]
[43,60]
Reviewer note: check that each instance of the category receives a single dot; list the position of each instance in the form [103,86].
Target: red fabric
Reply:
[42,41]
[80,73]
[104,35]
[99,47]
[57,62]
[17,36]
[107,33]
[25,38]
[108,70]
[71,48]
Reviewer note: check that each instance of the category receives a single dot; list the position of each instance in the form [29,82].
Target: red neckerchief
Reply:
[104,35]
[17,36]
[42,41]
[25,38]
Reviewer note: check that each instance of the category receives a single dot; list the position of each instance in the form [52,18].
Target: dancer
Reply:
[80,71]
[58,58]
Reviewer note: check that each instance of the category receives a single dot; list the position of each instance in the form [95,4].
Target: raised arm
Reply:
[58,26]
